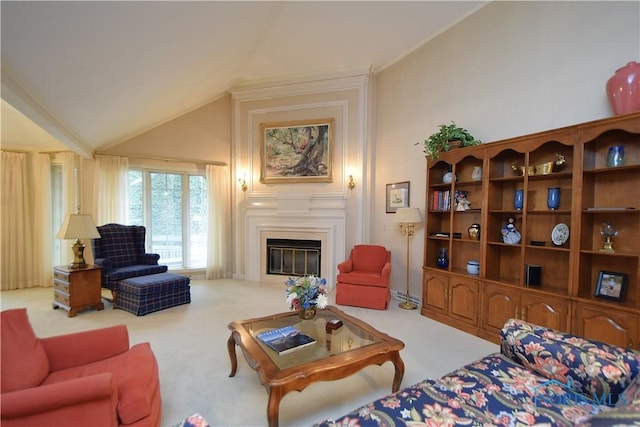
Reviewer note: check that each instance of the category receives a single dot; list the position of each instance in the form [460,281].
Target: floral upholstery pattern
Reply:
[195,420]
[631,395]
[626,411]
[598,370]
[541,377]
[491,391]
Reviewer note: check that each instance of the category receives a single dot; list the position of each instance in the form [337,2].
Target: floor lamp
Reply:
[408,217]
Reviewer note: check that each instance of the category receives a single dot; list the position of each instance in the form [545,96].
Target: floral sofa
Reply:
[541,376]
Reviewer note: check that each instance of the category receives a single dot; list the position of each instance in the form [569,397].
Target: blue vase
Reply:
[443,258]
[518,199]
[616,156]
[553,198]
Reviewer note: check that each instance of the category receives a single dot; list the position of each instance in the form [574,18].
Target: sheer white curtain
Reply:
[219,222]
[25,212]
[68,204]
[40,184]
[111,189]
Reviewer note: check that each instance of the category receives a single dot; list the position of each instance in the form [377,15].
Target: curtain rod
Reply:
[165,159]
[9,150]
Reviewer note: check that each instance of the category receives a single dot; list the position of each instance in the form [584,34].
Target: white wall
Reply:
[342,99]
[511,69]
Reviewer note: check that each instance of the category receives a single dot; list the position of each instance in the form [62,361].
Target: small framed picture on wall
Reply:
[611,285]
[397,196]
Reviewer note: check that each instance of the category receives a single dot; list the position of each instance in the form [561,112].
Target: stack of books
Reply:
[285,340]
[441,200]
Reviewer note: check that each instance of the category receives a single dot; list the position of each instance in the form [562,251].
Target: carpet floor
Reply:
[189,342]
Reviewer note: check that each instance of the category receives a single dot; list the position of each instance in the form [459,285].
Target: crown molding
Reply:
[300,86]
[19,95]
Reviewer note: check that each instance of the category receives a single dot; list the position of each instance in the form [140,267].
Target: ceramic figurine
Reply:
[510,233]
[462,204]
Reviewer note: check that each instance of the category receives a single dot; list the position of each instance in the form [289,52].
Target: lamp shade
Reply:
[78,226]
[408,215]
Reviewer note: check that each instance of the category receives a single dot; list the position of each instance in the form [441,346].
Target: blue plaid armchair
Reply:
[121,253]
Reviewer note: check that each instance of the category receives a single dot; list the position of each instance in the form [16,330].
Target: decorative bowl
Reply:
[541,168]
[473,267]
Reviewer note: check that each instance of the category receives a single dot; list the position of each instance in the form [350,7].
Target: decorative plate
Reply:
[560,234]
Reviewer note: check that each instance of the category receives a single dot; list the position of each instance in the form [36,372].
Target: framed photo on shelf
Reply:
[611,285]
[397,196]
[297,151]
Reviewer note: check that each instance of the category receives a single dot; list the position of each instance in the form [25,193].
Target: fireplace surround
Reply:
[294,217]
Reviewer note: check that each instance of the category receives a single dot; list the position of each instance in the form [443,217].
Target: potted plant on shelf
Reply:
[448,137]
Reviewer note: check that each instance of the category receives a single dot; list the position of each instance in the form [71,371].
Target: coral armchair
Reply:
[120,252]
[363,279]
[90,378]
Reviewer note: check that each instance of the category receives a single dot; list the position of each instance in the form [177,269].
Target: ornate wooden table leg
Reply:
[231,347]
[399,365]
[273,406]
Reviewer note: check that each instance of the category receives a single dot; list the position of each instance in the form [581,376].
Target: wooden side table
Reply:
[76,290]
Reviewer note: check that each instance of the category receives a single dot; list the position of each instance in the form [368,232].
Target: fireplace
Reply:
[294,217]
[294,257]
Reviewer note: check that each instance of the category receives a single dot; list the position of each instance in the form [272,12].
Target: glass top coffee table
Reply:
[336,353]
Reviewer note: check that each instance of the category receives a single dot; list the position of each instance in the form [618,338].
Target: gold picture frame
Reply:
[298,151]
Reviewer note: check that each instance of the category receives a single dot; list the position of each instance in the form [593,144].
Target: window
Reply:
[173,207]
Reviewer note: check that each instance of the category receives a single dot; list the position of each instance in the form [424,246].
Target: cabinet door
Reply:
[544,311]
[500,304]
[463,299]
[434,291]
[595,323]
[85,287]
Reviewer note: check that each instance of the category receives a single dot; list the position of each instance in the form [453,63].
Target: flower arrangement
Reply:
[306,292]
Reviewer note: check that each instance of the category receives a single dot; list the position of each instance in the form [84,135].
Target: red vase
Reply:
[623,89]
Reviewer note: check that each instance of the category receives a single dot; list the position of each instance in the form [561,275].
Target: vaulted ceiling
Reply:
[93,73]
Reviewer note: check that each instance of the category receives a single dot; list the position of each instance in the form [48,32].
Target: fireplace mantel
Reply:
[294,216]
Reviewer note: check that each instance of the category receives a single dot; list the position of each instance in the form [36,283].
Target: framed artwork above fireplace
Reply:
[297,151]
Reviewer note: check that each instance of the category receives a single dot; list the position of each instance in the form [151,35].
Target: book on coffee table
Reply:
[285,340]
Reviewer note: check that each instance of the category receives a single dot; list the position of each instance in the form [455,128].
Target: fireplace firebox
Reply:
[293,257]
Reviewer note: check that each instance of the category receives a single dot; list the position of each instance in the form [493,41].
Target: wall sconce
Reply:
[242,179]
[243,185]
[351,183]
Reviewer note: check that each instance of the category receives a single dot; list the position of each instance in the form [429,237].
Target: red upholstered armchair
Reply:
[90,378]
[363,279]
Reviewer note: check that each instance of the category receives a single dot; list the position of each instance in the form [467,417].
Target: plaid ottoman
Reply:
[145,294]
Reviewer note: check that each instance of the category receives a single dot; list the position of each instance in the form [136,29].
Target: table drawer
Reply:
[62,298]
[61,275]
[61,286]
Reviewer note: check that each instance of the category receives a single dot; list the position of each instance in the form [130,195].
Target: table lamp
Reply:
[78,226]
[408,217]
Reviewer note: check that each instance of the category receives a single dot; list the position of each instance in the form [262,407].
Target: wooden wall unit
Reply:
[590,193]
[452,299]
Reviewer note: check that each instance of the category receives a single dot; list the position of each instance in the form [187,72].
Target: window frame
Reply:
[187,261]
